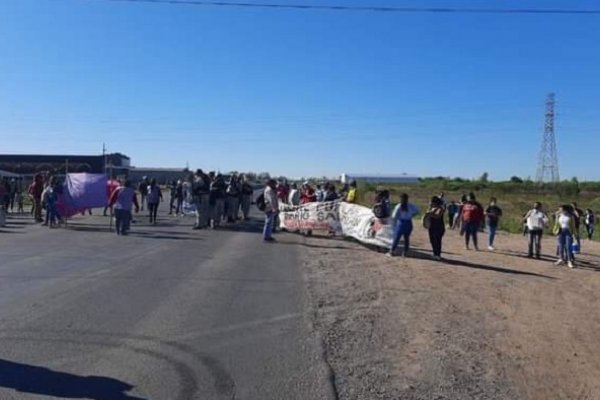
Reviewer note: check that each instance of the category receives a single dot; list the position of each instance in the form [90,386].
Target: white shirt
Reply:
[294,197]
[536,220]
[564,221]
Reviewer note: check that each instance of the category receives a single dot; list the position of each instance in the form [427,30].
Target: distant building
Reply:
[162,175]
[380,179]
[28,165]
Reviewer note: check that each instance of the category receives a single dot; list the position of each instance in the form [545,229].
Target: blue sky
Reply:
[301,93]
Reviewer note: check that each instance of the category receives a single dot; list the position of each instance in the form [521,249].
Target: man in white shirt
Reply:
[271,209]
[536,220]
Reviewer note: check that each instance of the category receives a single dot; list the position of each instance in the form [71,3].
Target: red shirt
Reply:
[472,212]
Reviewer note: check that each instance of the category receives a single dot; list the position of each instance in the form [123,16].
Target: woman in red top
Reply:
[472,217]
[308,194]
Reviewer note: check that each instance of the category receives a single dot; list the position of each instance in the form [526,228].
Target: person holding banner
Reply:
[123,199]
[271,209]
[402,217]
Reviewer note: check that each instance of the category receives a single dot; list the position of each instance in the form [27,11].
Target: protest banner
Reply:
[345,219]
[359,223]
[312,216]
[86,190]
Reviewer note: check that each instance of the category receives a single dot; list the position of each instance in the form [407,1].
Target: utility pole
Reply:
[547,170]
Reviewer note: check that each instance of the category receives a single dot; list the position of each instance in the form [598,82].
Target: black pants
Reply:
[471,229]
[435,237]
[450,220]
[535,242]
[153,208]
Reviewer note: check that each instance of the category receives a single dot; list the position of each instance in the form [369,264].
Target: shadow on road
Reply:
[43,381]
[461,263]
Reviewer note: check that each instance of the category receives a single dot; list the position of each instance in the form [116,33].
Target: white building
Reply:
[380,179]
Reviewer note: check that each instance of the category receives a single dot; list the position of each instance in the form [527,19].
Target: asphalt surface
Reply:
[165,313]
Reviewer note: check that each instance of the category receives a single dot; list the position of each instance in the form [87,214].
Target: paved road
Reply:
[166,313]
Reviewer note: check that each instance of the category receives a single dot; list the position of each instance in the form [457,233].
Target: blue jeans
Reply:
[565,241]
[492,233]
[268,229]
[122,221]
[403,228]
[51,215]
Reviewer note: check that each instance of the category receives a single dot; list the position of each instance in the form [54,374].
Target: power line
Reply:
[370,8]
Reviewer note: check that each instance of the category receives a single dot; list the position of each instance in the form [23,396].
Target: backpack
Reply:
[261,204]
[426,220]
[381,210]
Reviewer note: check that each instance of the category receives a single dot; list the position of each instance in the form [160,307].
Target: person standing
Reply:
[564,228]
[247,193]
[472,217]
[35,192]
[50,200]
[437,226]
[179,198]
[283,191]
[201,183]
[590,222]
[217,200]
[123,199]
[143,189]
[402,216]
[352,194]
[330,193]
[294,198]
[578,216]
[233,199]
[452,211]
[271,209]
[493,214]
[320,193]
[535,220]
[154,198]
[172,197]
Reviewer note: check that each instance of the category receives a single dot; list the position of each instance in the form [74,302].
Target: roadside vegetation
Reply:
[515,196]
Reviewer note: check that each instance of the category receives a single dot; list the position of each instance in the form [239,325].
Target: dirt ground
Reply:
[481,325]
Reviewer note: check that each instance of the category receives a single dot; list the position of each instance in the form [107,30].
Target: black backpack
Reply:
[381,209]
[261,204]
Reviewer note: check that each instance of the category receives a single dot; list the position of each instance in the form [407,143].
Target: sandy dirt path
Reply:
[482,325]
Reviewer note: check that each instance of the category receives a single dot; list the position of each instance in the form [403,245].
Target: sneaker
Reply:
[389,254]
[491,248]
[269,240]
[437,258]
[570,264]
[467,248]
[559,262]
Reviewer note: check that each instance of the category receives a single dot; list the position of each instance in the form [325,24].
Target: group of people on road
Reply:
[11,194]
[218,199]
